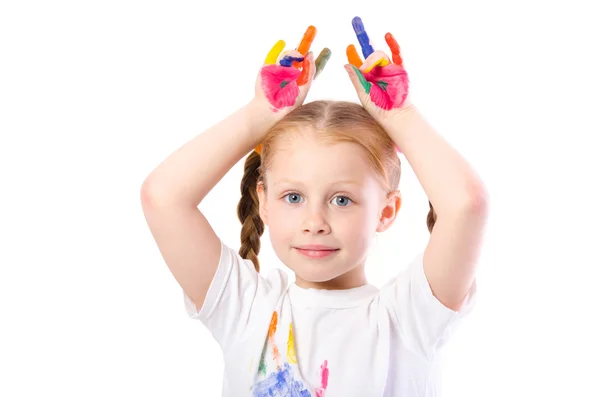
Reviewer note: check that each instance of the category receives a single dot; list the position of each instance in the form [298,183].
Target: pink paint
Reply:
[397,86]
[272,77]
[324,380]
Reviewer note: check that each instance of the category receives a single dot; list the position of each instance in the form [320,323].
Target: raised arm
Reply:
[171,194]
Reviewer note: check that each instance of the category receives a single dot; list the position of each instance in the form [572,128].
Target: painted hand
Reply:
[284,81]
[382,86]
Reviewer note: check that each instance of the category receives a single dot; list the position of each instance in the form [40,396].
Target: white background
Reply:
[94,95]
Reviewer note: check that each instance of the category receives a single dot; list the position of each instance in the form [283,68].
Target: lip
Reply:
[316,251]
[315,247]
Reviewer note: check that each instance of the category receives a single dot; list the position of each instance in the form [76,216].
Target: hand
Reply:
[382,86]
[283,82]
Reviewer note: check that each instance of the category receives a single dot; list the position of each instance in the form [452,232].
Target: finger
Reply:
[306,42]
[362,37]
[306,70]
[378,58]
[309,66]
[394,48]
[353,56]
[273,54]
[322,60]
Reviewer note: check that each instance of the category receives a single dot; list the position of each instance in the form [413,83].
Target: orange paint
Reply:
[307,40]
[353,57]
[273,325]
[303,78]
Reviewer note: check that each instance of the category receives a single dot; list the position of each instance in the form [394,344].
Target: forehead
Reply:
[304,159]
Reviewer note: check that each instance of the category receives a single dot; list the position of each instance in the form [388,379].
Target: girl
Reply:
[323,177]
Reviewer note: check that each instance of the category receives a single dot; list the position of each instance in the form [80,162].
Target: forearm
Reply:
[187,175]
[448,180]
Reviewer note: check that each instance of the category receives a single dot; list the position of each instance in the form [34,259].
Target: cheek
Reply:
[281,220]
[354,226]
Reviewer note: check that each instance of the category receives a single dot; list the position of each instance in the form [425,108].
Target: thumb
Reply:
[360,83]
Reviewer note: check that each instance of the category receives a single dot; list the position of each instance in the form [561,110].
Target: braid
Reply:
[431,218]
[248,213]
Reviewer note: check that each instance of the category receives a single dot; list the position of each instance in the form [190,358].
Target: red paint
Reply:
[397,86]
[394,47]
[324,380]
[303,79]
[271,77]
[316,254]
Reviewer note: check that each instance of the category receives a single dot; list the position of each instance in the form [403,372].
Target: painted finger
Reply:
[322,60]
[353,57]
[306,70]
[394,47]
[378,58]
[361,35]
[273,54]
[306,42]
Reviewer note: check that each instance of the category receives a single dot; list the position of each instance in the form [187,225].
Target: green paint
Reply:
[283,84]
[322,60]
[383,85]
[262,368]
[366,85]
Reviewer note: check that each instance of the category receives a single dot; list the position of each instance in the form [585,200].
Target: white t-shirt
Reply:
[282,340]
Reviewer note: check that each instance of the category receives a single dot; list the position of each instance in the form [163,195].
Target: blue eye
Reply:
[294,195]
[295,198]
[343,201]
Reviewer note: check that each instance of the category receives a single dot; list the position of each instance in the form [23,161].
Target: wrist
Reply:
[401,120]
[259,117]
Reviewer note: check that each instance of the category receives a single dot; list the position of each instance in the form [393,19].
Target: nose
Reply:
[316,222]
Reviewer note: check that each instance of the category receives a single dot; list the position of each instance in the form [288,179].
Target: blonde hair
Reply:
[333,121]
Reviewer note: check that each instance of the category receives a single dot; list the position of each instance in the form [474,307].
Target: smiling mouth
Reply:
[313,253]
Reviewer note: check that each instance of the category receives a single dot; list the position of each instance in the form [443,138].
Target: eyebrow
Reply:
[343,182]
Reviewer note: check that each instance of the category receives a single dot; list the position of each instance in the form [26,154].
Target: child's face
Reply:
[308,202]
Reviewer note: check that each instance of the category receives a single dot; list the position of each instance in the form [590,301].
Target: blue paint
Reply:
[288,60]
[363,39]
[280,384]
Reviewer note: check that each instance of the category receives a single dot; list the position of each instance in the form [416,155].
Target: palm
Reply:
[385,85]
[283,84]
[278,86]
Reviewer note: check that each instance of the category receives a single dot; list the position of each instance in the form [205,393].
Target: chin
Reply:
[316,272]
[316,276]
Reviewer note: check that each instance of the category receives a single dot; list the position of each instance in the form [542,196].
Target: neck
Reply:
[353,278]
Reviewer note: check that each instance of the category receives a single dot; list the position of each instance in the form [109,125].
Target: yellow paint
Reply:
[380,62]
[291,352]
[273,54]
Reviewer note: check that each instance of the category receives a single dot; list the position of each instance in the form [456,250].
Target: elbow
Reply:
[477,199]
[147,194]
